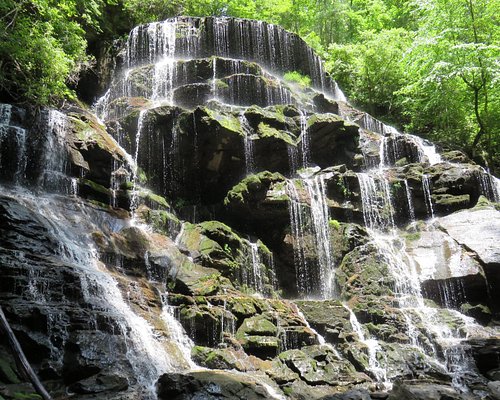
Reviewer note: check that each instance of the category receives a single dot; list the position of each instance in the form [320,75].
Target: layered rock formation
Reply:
[216,231]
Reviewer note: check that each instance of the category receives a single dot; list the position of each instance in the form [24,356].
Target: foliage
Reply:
[298,78]
[43,46]
[430,66]
[334,224]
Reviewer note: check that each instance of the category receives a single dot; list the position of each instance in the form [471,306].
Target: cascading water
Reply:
[304,140]
[379,372]
[427,195]
[378,210]
[173,67]
[310,227]
[66,222]
[248,143]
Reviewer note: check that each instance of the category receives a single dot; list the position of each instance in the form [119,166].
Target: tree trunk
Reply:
[21,361]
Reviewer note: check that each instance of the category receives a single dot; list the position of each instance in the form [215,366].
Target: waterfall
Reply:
[176,331]
[310,226]
[248,143]
[316,189]
[70,222]
[427,195]
[156,57]
[373,346]
[303,270]
[135,172]
[409,202]
[378,210]
[304,140]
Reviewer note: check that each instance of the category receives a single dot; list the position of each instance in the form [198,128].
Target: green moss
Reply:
[288,391]
[334,224]
[266,131]
[227,121]
[26,396]
[413,236]
[154,198]
[273,115]
[257,325]
[241,191]
[7,373]
[95,186]
[296,77]
[221,84]
[161,220]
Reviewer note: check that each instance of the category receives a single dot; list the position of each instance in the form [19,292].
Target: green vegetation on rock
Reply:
[296,77]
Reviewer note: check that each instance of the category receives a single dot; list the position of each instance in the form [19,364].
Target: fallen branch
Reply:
[21,361]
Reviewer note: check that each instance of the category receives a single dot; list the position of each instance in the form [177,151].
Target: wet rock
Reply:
[259,199]
[100,383]
[424,391]
[486,353]
[318,365]
[219,358]
[477,230]
[258,325]
[209,385]
[333,141]
[494,388]
[449,273]
[329,318]
[364,271]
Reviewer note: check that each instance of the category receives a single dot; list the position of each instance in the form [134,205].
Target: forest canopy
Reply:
[431,67]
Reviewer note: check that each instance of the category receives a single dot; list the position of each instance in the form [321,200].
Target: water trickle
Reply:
[5,114]
[426,187]
[297,223]
[305,140]
[426,150]
[248,143]
[68,221]
[378,210]
[221,36]
[409,201]
[53,163]
[214,77]
[378,371]
[310,227]
[135,171]
[496,188]
[258,280]
[316,189]
[339,94]
[74,187]
[176,331]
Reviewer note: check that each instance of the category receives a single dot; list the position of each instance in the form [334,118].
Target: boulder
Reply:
[210,385]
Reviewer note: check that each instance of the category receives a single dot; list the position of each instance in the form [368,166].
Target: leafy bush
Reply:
[298,78]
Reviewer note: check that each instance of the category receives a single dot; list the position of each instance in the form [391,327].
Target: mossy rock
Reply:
[265,347]
[7,372]
[280,373]
[211,285]
[161,220]
[218,358]
[364,272]
[225,121]
[273,116]
[251,186]
[318,365]
[266,131]
[256,325]
[242,307]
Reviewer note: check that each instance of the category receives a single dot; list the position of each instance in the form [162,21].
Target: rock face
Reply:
[223,217]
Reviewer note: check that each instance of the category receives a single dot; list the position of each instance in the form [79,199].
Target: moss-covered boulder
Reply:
[318,365]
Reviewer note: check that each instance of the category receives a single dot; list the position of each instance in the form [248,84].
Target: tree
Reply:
[454,64]
[43,46]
